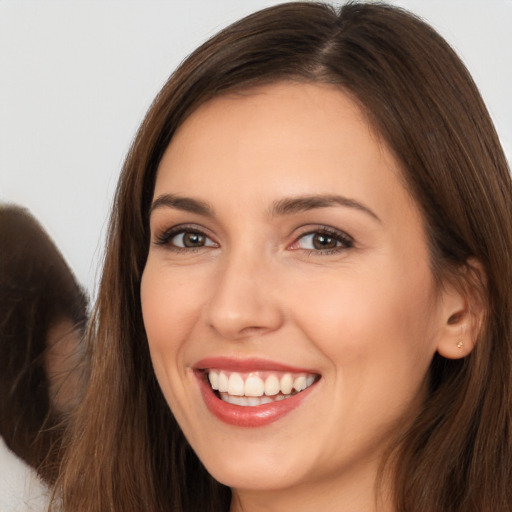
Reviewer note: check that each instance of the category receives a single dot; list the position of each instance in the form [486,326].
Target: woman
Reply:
[42,317]
[306,295]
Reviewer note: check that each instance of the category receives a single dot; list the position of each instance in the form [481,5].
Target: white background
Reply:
[76,78]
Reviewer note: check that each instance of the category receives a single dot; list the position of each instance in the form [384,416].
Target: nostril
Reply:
[252,331]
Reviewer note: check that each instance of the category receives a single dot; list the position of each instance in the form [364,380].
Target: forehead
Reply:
[264,114]
[282,139]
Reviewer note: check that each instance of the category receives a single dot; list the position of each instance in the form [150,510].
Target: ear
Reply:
[462,311]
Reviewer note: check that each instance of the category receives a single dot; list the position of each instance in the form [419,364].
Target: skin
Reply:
[366,316]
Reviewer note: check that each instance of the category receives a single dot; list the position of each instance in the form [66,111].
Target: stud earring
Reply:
[460,343]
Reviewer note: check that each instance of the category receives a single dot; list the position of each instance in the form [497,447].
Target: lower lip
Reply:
[255,416]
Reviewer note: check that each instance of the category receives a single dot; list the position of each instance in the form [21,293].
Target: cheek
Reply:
[371,324]
[168,322]
[169,307]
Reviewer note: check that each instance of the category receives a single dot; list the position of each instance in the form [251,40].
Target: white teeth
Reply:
[254,390]
[238,400]
[272,385]
[299,383]
[236,384]
[213,377]
[223,382]
[254,386]
[286,384]
[250,401]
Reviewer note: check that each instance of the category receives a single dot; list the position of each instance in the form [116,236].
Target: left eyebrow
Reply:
[186,204]
[288,206]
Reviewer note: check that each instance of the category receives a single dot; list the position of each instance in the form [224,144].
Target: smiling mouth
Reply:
[257,388]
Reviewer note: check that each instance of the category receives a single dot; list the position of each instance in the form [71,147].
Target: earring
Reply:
[460,343]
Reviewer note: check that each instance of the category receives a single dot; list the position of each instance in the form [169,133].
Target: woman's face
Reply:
[286,253]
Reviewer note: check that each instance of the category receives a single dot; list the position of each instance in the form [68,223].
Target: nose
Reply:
[244,302]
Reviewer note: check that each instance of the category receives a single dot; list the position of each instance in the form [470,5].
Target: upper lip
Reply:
[247,365]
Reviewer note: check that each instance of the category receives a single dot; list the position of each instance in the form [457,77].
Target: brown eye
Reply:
[321,241]
[182,239]
[192,239]
[324,241]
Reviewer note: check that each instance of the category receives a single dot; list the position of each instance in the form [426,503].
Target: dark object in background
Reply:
[43,311]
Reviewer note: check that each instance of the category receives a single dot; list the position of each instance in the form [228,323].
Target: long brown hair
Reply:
[126,451]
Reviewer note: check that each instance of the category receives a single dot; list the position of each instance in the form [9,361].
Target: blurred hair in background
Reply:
[43,312]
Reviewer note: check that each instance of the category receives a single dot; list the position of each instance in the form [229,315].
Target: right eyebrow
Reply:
[291,205]
[186,204]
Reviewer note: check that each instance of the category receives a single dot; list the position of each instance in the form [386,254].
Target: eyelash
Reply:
[343,239]
[165,238]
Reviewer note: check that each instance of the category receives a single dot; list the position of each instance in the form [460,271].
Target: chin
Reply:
[257,471]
